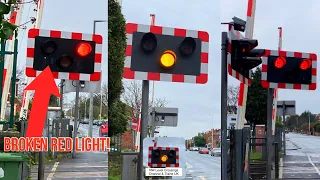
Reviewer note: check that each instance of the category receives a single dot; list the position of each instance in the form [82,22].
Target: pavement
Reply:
[202,166]
[85,166]
[302,160]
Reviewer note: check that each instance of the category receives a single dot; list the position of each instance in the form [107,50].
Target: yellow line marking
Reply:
[53,171]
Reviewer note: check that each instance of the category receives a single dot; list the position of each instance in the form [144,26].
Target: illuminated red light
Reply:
[280,62]
[305,64]
[83,49]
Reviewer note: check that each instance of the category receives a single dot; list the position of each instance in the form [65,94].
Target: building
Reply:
[212,135]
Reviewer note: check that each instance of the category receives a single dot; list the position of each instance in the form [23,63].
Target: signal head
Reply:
[187,46]
[305,64]
[148,42]
[164,158]
[168,59]
[171,153]
[48,47]
[157,152]
[65,61]
[280,62]
[83,49]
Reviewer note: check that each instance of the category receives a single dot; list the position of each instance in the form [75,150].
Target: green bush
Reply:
[317,128]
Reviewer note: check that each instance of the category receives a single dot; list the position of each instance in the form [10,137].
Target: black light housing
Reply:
[187,46]
[65,61]
[157,152]
[148,42]
[171,153]
[49,47]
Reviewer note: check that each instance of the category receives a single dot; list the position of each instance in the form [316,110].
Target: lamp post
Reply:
[212,131]
[91,94]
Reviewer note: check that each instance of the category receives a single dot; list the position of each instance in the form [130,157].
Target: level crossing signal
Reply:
[242,56]
[166,54]
[163,157]
[289,70]
[70,55]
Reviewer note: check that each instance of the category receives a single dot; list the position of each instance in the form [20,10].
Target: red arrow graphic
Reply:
[43,85]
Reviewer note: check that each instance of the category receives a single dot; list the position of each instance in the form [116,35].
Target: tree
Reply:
[116,50]
[199,141]
[119,116]
[256,109]
[232,98]
[279,122]
[132,96]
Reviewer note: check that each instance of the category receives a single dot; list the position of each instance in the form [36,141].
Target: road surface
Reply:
[303,157]
[86,165]
[202,166]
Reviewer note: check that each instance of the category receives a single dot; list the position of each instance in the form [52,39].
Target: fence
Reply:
[54,128]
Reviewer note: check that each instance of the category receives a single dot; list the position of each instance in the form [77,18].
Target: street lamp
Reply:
[91,94]
[212,130]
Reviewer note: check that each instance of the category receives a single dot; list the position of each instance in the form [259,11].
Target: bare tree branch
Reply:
[232,98]
[132,96]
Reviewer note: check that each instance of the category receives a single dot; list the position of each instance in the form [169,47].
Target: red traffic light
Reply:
[83,49]
[305,64]
[280,62]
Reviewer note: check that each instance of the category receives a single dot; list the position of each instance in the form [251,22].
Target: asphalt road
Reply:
[202,166]
[303,157]
[86,165]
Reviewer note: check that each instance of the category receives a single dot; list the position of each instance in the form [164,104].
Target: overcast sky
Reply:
[199,105]
[72,16]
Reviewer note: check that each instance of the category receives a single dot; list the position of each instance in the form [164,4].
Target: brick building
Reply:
[208,137]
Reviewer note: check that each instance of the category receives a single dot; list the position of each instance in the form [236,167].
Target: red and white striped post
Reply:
[275,93]
[243,90]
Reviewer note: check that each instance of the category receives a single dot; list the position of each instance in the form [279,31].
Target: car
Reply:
[215,152]
[95,122]
[86,121]
[103,130]
[204,151]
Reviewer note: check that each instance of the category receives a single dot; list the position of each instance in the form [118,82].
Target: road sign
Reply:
[290,108]
[134,124]
[163,156]
[89,86]
[166,54]
[289,70]
[165,116]
[55,49]
[236,35]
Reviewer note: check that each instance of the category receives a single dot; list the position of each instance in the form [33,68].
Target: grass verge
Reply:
[115,165]
[256,156]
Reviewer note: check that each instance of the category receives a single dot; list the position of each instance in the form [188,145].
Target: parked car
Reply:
[204,151]
[95,122]
[215,152]
[194,149]
[103,130]
[86,121]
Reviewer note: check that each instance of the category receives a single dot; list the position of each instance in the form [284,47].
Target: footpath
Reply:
[85,166]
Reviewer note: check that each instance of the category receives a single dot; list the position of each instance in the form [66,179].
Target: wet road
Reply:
[303,157]
[202,166]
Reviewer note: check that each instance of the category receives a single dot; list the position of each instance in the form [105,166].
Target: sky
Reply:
[72,16]
[199,105]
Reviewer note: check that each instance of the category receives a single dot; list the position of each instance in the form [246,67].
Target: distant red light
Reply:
[280,62]
[83,49]
[305,64]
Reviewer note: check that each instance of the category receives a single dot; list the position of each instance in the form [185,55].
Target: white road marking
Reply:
[53,170]
[314,166]
[281,168]
[202,177]
[188,165]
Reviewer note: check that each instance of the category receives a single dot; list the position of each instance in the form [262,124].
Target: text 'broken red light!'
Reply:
[280,62]
[83,49]
[305,64]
